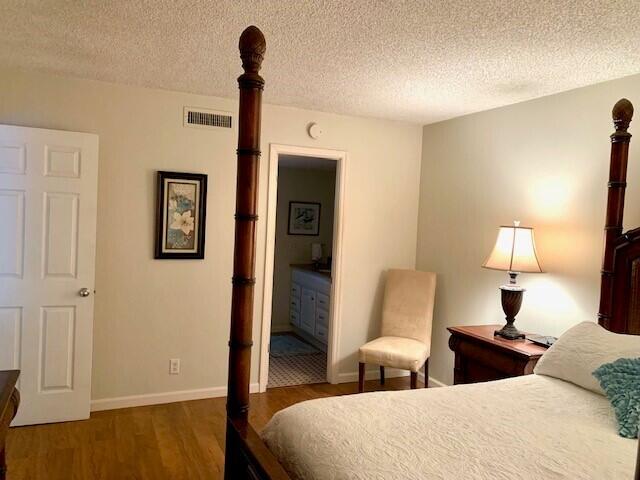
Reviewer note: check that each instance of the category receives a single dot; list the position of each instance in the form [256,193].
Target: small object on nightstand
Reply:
[481,357]
[514,252]
[542,340]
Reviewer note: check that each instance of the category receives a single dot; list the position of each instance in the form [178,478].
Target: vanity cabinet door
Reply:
[323,301]
[294,317]
[308,310]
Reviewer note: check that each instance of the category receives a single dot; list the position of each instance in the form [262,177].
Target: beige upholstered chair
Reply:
[407,315]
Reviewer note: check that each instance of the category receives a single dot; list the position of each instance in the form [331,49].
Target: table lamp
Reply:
[514,252]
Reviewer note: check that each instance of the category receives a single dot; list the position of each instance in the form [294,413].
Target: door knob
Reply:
[84,292]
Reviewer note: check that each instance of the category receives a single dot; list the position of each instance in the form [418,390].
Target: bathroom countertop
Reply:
[308,267]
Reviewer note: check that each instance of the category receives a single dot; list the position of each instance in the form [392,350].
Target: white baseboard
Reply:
[160,398]
[389,373]
[432,381]
[214,392]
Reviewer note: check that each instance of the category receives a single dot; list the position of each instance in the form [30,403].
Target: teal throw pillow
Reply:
[620,380]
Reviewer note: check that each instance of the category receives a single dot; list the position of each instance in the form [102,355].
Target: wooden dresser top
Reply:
[484,333]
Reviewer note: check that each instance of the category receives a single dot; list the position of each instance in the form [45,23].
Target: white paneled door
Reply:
[48,196]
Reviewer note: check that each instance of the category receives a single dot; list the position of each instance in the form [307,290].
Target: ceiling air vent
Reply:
[203,118]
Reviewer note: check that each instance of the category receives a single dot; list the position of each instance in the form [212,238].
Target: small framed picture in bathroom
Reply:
[304,218]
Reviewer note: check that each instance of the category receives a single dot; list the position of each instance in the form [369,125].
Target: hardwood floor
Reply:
[183,440]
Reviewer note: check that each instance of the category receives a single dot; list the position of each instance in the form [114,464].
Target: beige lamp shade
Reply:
[514,251]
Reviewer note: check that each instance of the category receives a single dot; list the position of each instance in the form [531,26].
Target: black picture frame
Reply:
[169,186]
[291,227]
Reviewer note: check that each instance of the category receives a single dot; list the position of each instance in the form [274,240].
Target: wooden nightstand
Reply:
[481,357]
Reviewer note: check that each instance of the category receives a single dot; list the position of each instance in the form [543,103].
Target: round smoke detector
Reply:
[315,131]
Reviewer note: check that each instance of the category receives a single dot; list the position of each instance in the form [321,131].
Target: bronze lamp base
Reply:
[511,296]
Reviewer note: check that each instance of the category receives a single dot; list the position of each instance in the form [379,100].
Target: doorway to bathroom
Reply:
[299,334]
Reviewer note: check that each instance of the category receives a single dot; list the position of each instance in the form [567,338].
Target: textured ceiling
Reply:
[421,61]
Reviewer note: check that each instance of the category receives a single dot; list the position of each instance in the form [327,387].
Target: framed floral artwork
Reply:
[304,218]
[180,215]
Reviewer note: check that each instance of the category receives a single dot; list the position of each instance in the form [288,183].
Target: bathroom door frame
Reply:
[340,157]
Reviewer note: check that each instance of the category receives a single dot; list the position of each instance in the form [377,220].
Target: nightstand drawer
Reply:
[295,290]
[482,365]
[481,357]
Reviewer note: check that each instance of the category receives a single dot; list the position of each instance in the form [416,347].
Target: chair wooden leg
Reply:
[381,375]
[361,377]
[414,380]
[426,373]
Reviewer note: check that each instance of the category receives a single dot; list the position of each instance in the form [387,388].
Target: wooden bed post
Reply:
[622,114]
[246,455]
[252,47]
[615,240]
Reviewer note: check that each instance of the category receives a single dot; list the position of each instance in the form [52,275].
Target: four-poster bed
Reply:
[247,454]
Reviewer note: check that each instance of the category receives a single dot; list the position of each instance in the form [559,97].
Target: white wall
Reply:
[306,185]
[544,162]
[147,310]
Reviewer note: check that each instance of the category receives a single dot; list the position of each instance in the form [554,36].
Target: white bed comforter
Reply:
[531,427]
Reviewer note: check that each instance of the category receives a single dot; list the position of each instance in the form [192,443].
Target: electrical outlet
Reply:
[174,366]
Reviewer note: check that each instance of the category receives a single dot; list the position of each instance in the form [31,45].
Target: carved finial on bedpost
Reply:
[622,114]
[252,47]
